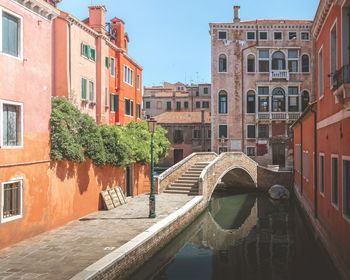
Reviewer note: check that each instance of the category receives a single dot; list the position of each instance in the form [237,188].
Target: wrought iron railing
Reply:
[342,76]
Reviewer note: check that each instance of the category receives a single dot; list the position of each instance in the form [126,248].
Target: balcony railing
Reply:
[277,116]
[279,74]
[342,76]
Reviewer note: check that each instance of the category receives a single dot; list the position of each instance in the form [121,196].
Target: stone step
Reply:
[183,188]
[183,184]
[186,180]
[189,177]
[193,172]
[180,192]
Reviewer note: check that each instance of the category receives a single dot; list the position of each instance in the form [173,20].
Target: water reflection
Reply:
[246,237]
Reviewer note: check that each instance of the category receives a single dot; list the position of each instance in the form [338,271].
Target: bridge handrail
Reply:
[178,165]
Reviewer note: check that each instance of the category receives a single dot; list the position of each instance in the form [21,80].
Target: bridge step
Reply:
[183,188]
[181,184]
[187,180]
[181,192]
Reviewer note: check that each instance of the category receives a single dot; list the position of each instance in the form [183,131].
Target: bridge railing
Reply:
[211,175]
[170,175]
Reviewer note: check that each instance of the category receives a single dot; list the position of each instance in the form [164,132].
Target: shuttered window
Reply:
[10,34]
[91,91]
[83,88]
[114,103]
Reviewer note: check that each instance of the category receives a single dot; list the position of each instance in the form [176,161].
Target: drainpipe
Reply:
[70,56]
[315,164]
[301,159]
[242,69]
[203,130]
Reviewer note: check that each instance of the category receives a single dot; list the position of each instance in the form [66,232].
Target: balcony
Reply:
[341,86]
[279,75]
[277,116]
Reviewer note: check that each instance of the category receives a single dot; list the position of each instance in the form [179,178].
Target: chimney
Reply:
[119,26]
[237,14]
[97,18]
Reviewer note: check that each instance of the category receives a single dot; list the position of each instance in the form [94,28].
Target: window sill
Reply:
[335,206]
[10,219]
[11,147]
[19,58]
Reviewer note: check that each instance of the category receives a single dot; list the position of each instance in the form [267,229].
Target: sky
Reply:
[170,38]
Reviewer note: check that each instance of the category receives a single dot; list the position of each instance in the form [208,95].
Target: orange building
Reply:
[322,135]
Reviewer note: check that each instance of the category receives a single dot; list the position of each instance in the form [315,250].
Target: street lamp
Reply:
[152,198]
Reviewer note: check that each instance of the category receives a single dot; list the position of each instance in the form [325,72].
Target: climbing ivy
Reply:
[75,136]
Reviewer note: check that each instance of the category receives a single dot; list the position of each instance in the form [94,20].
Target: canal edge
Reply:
[126,259]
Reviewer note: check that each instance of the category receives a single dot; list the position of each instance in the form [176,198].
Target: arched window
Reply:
[305,100]
[222,63]
[278,61]
[278,100]
[250,102]
[251,63]
[223,102]
[305,63]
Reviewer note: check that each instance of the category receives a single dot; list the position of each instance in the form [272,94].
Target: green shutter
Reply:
[107,62]
[91,91]
[116,103]
[93,54]
[83,89]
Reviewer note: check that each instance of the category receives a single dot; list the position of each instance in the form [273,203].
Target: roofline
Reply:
[307,110]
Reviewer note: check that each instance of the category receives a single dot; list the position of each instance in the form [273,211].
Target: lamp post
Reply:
[152,198]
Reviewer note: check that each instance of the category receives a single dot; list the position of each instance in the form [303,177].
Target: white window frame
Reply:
[344,158]
[320,76]
[112,69]
[301,37]
[128,75]
[223,72]
[294,59]
[20,39]
[130,107]
[254,32]
[281,36]
[247,130]
[2,102]
[336,206]
[263,59]
[138,81]
[225,31]
[254,151]
[296,34]
[334,25]
[267,37]
[12,218]
[324,175]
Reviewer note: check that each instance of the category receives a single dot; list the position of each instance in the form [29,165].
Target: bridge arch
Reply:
[223,165]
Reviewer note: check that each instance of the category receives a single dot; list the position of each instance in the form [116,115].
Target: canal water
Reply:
[243,237]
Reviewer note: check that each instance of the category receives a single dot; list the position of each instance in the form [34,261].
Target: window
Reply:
[107,62]
[148,104]
[251,63]
[11,118]
[278,100]
[251,131]
[168,106]
[263,104]
[128,76]
[222,102]
[263,131]
[293,90]
[293,59]
[114,101]
[198,104]
[178,106]
[251,151]
[304,36]
[320,73]
[112,66]
[346,188]
[138,110]
[292,35]
[322,174]
[128,107]
[251,102]
[138,80]
[305,99]
[263,90]
[93,54]
[11,34]
[131,108]
[223,130]
[186,104]
[159,105]
[197,93]
[335,184]
[222,63]
[106,97]
[206,90]
[205,104]
[91,91]
[88,52]
[251,35]
[222,35]
[178,137]
[278,61]
[12,196]
[306,165]
[277,35]
[209,134]
[263,35]
[293,101]
[305,64]
[196,133]
[83,88]
[264,63]
[333,50]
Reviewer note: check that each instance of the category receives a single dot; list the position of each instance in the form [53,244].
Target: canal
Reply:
[243,236]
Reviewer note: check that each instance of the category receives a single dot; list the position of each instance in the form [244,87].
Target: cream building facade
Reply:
[261,83]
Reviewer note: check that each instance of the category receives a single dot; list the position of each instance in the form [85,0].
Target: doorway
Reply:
[178,155]
[278,154]
[129,180]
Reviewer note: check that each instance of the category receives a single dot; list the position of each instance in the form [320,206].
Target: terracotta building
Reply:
[176,97]
[188,132]
[322,135]
[261,82]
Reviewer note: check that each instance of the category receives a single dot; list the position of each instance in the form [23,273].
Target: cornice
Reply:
[39,7]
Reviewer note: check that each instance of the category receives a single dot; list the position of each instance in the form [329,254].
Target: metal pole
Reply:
[152,197]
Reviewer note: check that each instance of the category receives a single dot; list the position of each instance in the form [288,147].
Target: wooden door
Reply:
[278,154]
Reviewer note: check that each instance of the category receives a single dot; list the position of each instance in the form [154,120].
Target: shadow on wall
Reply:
[238,178]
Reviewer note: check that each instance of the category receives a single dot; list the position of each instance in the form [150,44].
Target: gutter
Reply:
[315,165]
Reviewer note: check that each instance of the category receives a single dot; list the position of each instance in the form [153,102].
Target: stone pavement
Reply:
[64,252]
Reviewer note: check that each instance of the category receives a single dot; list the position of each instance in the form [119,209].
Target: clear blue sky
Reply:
[170,38]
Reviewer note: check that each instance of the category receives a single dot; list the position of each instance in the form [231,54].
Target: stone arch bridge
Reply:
[201,173]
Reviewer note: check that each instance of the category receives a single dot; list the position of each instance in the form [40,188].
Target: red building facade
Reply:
[322,135]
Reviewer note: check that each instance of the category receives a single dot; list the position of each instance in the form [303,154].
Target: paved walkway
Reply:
[62,253]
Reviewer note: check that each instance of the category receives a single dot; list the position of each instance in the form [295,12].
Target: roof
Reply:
[166,94]
[306,112]
[277,21]
[182,117]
